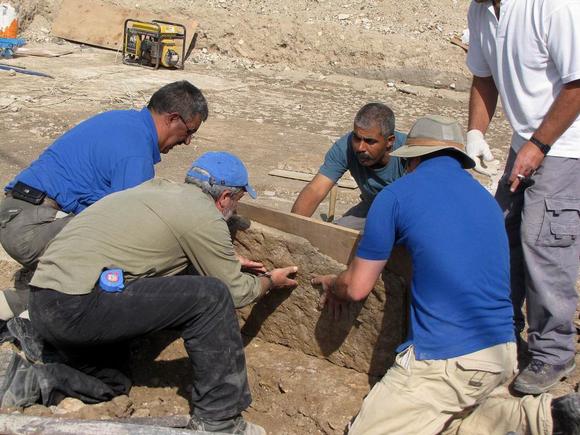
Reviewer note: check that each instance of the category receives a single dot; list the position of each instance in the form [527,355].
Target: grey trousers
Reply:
[543,226]
[25,232]
[355,217]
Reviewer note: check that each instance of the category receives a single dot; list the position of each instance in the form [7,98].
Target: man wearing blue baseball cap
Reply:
[119,271]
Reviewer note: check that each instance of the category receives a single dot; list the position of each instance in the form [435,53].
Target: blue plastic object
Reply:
[7,46]
[224,169]
[112,280]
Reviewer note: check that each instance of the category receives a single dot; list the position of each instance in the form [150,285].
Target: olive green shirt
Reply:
[156,229]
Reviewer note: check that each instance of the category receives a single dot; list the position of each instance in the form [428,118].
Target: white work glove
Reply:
[478,149]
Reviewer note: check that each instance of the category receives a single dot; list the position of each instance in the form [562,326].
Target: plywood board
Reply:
[101,24]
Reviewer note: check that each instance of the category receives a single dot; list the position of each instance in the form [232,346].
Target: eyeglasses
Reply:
[190,131]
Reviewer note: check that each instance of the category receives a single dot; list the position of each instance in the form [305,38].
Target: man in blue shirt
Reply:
[461,344]
[365,152]
[107,153]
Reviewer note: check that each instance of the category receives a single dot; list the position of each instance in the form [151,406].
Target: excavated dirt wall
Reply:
[366,336]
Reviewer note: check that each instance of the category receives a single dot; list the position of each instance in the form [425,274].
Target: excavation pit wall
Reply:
[368,332]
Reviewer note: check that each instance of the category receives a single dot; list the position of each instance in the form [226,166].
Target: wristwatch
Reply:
[544,148]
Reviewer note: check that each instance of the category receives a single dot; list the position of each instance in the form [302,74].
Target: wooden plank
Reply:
[41,52]
[101,24]
[26,425]
[303,176]
[332,203]
[333,240]
[456,41]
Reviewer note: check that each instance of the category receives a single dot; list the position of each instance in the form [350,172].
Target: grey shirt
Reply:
[156,229]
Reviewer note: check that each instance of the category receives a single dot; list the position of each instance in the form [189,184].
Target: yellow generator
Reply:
[154,44]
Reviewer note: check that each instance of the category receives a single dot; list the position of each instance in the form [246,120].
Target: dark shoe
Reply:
[566,415]
[18,384]
[30,342]
[236,425]
[5,335]
[538,377]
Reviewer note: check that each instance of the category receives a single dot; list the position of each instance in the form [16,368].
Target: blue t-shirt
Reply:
[341,157]
[109,152]
[454,231]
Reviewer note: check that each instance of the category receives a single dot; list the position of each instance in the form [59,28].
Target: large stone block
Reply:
[363,339]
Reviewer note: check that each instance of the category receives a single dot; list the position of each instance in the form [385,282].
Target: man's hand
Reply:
[478,149]
[529,158]
[250,266]
[327,298]
[281,277]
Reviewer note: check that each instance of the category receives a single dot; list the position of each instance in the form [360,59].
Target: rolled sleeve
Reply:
[211,252]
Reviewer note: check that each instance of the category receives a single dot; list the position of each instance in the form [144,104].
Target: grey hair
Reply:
[180,97]
[373,114]
[214,190]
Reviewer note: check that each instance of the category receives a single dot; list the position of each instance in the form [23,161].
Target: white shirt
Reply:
[531,52]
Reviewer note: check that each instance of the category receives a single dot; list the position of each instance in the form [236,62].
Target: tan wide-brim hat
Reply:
[434,133]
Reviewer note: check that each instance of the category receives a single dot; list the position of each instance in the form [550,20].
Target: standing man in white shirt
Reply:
[528,53]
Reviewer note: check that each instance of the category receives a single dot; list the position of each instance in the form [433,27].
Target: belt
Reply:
[48,202]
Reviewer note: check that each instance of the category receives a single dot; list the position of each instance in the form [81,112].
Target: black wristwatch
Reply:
[542,146]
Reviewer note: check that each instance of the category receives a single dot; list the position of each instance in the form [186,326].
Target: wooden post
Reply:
[332,203]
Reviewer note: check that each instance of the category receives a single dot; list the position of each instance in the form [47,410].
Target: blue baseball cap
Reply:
[224,169]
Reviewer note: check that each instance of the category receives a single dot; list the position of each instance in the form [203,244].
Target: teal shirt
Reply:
[341,157]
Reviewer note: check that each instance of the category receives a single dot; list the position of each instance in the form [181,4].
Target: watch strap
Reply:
[544,148]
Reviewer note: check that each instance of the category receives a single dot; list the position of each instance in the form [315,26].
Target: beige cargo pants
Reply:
[462,395]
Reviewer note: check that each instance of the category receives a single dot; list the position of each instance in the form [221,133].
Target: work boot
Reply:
[18,383]
[566,415]
[30,342]
[5,335]
[236,425]
[538,377]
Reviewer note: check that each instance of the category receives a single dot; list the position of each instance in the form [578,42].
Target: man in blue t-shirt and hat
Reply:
[461,345]
[365,153]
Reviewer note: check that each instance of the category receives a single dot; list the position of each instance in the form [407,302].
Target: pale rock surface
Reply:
[364,338]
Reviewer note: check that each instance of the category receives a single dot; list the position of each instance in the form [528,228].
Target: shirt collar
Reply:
[440,162]
[152,132]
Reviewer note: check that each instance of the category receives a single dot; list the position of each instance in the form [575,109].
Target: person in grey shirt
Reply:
[117,271]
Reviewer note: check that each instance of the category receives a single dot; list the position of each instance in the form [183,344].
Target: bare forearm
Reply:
[340,288]
[561,115]
[348,288]
[312,195]
[306,203]
[482,103]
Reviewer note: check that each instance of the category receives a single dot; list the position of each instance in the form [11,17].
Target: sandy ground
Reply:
[283,82]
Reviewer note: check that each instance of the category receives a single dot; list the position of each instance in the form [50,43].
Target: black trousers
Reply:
[79,326]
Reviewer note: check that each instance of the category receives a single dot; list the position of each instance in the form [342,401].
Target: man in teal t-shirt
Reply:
[365,152]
